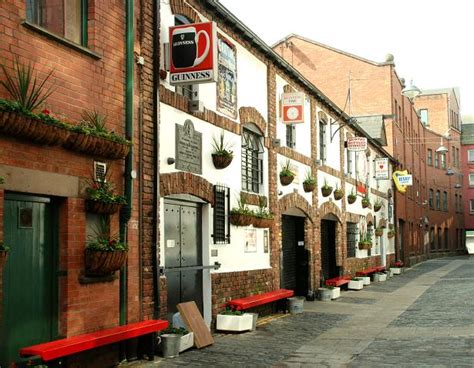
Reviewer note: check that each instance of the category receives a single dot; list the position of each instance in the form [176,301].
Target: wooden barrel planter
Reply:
[103,263]
[338,194]
[103,208]
[221,161]
[286,180]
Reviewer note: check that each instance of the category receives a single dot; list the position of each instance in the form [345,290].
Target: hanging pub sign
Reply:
[193,53]
[381,168]
[292,107]
[355,144]
[402,179]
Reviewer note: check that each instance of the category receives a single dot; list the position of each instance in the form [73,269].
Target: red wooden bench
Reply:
[261,299]
[370,271]
[338,281]
[51,353]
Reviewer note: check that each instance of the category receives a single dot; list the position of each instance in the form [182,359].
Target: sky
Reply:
[432,40]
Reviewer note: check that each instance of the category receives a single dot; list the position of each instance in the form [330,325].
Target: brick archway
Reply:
[330,208]
[295,200]
[251,115]
[180,7]
[186,183]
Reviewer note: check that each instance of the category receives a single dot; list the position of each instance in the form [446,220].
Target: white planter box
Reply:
[366,280]
[356,285]
[379,277]
[186,342]
[389,274]
[396,270]
[336,292]
[229,322]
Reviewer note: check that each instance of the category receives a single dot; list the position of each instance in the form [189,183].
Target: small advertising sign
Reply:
[381,169]
[355,144]
[402,179]
[406,180]
[292,107]
[193,53]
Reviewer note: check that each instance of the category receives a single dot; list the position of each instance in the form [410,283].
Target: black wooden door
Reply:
[328,249]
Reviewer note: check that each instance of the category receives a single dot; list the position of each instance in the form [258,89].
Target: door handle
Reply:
[215,266]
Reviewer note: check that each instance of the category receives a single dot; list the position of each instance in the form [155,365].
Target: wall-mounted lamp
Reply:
[450,172]
[457,186]
[411,91]
[170,160]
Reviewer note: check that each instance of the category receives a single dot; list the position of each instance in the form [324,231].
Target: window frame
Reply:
[471,205]
[431,198]
[430,157]
[468,156]
[252,177]
[436,160]
[322,130]
[445,201]
[426,121]
[471,183]
[438,200]
[443,161]
[351,238]
[291,136]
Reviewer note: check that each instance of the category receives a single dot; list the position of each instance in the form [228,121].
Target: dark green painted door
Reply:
[28,280]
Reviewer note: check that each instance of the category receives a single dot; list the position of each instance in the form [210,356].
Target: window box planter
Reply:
[103,263]
[379,277]
[396,270]
[103,208]
[186,342]
[95,145]
[329,293]
[233,322]
[262,223]
[356,284]
[241,219]
[366,280]
[365,246]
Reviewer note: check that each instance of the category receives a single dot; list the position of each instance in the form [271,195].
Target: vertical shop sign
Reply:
[227,77]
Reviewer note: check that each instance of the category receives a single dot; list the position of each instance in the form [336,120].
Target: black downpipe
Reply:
[156,135]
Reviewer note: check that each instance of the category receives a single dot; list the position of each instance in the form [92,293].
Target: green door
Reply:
[29,287]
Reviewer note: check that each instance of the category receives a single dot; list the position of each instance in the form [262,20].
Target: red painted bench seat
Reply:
[338,281]
[61,348]
[370,271]
[261,299]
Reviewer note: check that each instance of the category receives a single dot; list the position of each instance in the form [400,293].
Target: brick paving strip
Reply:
[393,323]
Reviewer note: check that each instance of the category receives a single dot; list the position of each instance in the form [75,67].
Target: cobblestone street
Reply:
[422,318]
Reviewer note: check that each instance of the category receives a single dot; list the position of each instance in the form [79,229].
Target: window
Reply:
[436,164]
[252,162]
[424,117]
[471,208]
[432,238]
[438,200]
[445,201]
[67,19]
[349,162]
[471,179]
[431,198]
[291,135]
[221,215]
[470,156]
[457,157]
[446,238]
[187,90]
[455,203]
[322,141]
[352,232]
[430,157]
[443,160]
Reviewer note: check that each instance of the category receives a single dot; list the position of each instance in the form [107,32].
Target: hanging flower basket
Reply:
[32,129]
[390,234]
[286,179]
[103,208]
[338,194]
[221,161]
[351,199]
[365,203]
[103,263]
[95,145]
[241,219]
[262,223]
[377,207]
[326,191]
[365,246]
[378,232]
[309,187]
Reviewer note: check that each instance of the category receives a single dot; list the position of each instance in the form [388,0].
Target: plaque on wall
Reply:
[188,148]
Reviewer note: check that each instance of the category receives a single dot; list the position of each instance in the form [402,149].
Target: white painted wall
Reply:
[300,171]
[331,181]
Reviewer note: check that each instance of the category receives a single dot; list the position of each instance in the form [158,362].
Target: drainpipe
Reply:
[156,162]
[126,211]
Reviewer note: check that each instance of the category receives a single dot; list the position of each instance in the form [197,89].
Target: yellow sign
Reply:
[401,188]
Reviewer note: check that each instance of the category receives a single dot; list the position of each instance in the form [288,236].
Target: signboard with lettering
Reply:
[292,107]
[188,148]
[381,169]
[401,180]
[193,53]
[355,144]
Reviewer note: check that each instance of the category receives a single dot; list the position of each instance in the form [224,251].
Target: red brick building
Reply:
[467,168]
[368,89]
[46,293]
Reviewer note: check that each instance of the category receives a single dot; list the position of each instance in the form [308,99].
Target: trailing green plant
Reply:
[4,247]
[231,312]
[222,148]
[102,240]
[365,237]
[102,190]
[309,178]
[263,212]
[176,331]
[242,208]
[286,170]
[24,86]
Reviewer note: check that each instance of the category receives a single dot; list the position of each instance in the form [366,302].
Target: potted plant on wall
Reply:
[365,201]
[391,231]
[222,155]
[351,197]
[378,231]
[263,218]
[338,193]
[19,116]
[365,240]
[309,183]
[104,253]
[241,215]
[286,175]
[101,198]
[378,205]
[326,189]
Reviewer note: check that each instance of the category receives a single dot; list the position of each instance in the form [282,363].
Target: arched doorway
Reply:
[329,268]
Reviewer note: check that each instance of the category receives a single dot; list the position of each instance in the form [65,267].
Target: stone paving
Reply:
[422,318]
